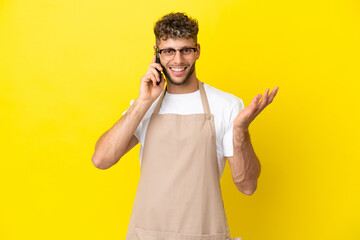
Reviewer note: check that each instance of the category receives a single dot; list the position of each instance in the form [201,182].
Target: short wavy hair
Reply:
[176,25]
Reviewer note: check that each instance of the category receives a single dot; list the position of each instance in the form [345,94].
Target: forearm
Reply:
[245,162]
[112,144]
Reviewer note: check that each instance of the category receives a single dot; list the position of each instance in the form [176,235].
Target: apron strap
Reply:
[204,99]
[157,108]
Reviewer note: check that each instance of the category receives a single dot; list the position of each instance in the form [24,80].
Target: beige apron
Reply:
[178,195]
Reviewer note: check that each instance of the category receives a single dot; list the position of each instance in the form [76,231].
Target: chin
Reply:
[178,81]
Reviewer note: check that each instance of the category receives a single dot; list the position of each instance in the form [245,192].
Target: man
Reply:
[187,131]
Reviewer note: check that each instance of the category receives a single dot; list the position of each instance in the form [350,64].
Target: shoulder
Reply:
[223,99]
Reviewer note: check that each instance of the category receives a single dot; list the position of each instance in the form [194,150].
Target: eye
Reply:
[168,51]
[187,50]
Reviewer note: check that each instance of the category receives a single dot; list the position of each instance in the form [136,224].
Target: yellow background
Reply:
[69,69]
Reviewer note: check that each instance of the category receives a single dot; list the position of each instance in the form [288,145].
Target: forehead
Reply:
[176,43]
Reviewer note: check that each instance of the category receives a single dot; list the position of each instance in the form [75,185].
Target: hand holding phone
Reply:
[151,84]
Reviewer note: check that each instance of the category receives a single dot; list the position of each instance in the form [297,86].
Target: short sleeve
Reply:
[237,107]
[137,131]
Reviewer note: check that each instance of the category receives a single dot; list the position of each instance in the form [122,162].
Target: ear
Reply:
[198,51]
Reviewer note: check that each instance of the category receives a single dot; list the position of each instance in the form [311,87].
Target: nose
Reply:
[178,57]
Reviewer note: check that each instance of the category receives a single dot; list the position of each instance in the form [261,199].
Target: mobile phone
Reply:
[158,61]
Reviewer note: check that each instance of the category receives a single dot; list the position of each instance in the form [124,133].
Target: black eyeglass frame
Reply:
[159,51]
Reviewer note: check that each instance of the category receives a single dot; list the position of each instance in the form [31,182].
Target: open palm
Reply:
[248,114]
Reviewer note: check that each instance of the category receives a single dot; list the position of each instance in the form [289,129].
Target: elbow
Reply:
[99,163]
[248,192]
[247,189]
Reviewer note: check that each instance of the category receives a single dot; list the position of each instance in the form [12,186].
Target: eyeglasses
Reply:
[169,53]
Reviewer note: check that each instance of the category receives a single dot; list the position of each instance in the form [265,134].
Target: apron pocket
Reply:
[143,234]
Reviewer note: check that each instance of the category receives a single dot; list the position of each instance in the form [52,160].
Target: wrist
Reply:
[241,136]
[142,101]
[241,130]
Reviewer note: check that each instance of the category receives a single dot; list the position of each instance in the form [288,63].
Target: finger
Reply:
[266,95]
[150,77]
[162,82]
[273,94]
[156,65]
[254,103]
[256,99]
[263,103]
[153,79]
[154,59]
[265,98]
[153,71]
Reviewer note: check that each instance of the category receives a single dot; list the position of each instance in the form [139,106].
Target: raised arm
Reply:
[245,166]
[119,139]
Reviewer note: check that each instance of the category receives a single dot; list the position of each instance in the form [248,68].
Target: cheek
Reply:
[165,64]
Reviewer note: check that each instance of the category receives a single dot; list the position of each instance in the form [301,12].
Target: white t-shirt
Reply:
[224,106]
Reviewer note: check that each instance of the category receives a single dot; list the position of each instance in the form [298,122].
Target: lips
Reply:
[177,71]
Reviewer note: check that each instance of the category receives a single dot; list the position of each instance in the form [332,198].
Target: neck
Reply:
[190,86]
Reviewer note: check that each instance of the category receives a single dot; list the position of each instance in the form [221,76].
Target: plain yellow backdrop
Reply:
[69,68]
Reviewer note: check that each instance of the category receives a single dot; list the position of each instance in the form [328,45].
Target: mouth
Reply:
[177,71]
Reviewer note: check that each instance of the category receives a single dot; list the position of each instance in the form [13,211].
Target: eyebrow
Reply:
[181,48]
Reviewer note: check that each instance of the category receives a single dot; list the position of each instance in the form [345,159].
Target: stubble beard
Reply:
[167,75]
